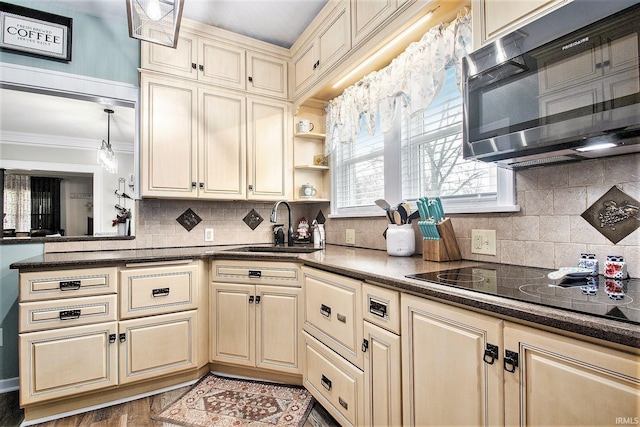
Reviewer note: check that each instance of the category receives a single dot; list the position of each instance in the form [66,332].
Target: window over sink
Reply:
[420,156]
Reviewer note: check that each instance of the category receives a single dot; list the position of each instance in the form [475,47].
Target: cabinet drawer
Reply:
[259,273]
[156,290]
[62,313]
[381,307]
[336,383]
[40,285]
[157,345]
[69,361]
[333,312]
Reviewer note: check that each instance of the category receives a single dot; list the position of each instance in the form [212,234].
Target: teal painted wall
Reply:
[100,48]
[9,304]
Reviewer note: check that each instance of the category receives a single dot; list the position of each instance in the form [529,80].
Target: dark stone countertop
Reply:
[373,266]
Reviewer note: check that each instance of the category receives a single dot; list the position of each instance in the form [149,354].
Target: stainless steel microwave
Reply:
[565,87]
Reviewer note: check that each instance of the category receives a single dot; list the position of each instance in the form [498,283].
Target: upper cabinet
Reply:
[495,18]
[325,48]
[220,63]
[367,15]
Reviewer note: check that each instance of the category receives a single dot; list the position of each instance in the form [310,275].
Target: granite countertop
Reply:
[373,266]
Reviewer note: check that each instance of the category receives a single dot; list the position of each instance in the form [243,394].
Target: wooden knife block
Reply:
[444,249]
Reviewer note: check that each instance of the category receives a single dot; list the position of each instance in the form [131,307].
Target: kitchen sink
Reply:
[281,249]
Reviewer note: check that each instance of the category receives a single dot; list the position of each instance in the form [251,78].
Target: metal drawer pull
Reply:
[160,292]
[70,285]
[69,314]
[326,383]
[490,354]
[342,318]
[344,404]
[255,274]
[325,310]
[377,309]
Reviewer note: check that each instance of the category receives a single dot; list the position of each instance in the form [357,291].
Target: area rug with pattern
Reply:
[221,401]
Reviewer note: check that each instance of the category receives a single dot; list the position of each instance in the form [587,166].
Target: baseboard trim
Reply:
[10,384]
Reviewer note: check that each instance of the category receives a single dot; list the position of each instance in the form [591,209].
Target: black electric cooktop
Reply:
[595,295]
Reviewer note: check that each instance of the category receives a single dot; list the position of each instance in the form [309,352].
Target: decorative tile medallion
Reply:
[252,219]
[189,219]
[615,215]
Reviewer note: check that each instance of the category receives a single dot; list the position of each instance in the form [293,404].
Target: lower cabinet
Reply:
[382,377]
[335,383]
[63,362]
[157,345]
[449,375]
[555,380]
[256,326]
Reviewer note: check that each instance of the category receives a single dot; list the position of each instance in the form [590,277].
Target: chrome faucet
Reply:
[274,218]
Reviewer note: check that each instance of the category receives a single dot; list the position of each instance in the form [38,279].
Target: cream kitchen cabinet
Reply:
[269,150]
[450,368]
[495,18]
[63,362]
[325,48]
[382,356]
[368,15]
[77,349]
[220,63]
[256,315]
[565,381]
[67,333]
[153,346]
[201,136]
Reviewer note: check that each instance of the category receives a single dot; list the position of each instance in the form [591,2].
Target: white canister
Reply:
[401,240]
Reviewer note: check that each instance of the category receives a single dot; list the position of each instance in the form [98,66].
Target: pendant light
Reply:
[106,157]
[155,21]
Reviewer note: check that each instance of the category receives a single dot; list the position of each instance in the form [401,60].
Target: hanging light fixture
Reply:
[155,21]
[106,157]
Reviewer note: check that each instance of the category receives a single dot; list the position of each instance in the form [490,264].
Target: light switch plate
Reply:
[483,242]
[208,234]
[350,238]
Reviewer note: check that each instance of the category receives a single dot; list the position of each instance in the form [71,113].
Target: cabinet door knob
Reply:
[257,299]
[193,184]
[202,185]
[250,78]
[201,67]
[251,299]
[193,65]
[122,337]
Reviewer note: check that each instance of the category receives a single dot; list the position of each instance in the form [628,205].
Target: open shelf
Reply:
[312,167]
[310,135]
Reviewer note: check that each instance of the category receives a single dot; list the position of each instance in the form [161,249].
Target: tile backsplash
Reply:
[548,231]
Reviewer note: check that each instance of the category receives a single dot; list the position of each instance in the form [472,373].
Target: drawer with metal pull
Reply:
[41,285]
[160,289]
[333,312]
[381,307]
[60,313]
[334,382]
[256,272]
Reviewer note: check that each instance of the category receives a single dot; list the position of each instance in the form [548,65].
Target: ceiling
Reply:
[279,22]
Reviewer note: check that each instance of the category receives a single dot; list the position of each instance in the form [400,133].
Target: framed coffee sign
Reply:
[35,32]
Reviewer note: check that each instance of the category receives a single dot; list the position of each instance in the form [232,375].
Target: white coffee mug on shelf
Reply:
[307,190]
[305,126]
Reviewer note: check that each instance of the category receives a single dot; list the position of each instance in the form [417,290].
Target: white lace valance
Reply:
[413,78]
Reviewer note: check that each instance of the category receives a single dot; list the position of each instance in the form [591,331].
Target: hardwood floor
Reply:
[136,413]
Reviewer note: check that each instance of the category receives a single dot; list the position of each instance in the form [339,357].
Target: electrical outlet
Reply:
[350,237]
[208,234]
[483,242]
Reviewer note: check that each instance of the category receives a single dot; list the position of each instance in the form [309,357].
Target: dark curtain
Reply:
[45,204]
